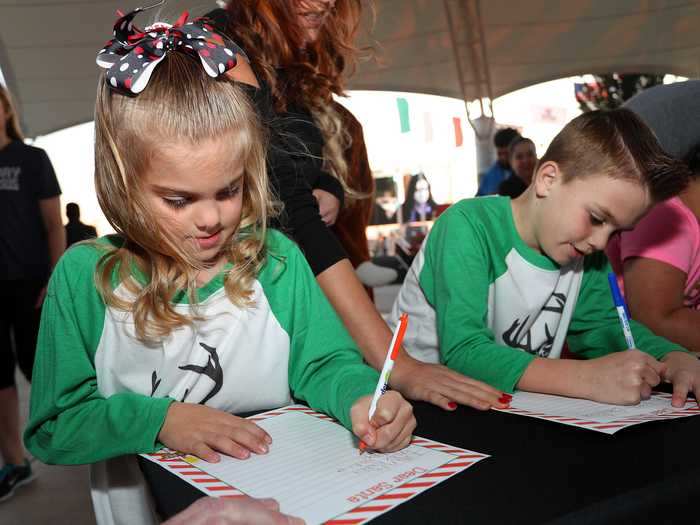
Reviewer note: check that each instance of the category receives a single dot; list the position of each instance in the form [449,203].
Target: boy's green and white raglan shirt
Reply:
[100,395]
[485,304]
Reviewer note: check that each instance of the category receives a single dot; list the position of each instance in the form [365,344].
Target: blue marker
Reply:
[622,312]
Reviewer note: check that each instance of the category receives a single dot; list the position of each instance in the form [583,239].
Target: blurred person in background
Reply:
[76,231]
[386,205]
[419,204]
[523,159]
[501,169]
[32,240]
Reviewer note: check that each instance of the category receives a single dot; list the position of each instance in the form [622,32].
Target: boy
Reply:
[499,285]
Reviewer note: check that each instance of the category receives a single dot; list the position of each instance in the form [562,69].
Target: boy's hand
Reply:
[683,370]
[392,424]
[443,387]
[201,430]
[623,378]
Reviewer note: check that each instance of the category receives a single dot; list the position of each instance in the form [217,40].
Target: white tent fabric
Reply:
[458,48]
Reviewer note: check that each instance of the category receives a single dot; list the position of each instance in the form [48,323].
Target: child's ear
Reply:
[546,177]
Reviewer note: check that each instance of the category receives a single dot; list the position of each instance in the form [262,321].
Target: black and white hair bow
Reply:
[132,55]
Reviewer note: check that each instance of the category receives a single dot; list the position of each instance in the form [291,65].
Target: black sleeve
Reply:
[301,218]
[289,179]
[47,183]
[327,182]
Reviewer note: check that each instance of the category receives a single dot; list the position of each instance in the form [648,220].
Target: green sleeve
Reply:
[70,422]
[455,279]
[325,367]
[595,328]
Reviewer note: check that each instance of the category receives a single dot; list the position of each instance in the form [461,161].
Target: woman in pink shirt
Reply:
[658,263]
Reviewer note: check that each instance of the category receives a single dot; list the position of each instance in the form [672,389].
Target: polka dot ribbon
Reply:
[132,55]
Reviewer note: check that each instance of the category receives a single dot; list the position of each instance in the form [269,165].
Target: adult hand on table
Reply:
[444,387]
[683,370]
[238,511]
[201,430]
[328,206]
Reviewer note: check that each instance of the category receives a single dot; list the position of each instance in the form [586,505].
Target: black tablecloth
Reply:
[539,472]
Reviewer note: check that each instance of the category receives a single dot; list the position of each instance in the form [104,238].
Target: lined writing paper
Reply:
[314,469]
[598,416]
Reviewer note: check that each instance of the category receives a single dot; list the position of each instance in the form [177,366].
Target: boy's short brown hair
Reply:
[617,143]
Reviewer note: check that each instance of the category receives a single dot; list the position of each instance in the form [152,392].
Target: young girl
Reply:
[499,285]
[154,337]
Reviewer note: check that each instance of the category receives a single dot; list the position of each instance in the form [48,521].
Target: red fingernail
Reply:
[452,405]
[505,398]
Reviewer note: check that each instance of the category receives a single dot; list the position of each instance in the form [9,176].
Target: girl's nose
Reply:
[207,217]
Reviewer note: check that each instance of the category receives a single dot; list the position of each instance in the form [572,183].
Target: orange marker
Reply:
[383,382]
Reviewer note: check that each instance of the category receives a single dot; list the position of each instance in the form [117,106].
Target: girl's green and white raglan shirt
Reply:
[485,304]
[100,395]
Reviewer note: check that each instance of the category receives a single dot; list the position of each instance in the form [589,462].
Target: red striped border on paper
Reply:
[212,486]
[691,409]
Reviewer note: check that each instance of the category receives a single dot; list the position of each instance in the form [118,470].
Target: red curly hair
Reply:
[271,36]
[301,73]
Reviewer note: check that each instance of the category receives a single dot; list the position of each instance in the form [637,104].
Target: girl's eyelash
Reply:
[181,203]
[176,203]
[231,192]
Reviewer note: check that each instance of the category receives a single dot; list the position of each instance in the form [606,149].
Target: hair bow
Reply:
[132,55]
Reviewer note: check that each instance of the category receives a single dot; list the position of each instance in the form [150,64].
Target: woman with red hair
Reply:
[298,51]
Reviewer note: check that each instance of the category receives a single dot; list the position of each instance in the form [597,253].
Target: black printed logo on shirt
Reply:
[212,370]
[515,338]
[557,305]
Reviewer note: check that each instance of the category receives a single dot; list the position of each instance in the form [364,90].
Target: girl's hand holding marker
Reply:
[389,423]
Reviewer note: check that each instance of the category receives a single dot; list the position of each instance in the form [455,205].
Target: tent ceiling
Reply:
[455,48]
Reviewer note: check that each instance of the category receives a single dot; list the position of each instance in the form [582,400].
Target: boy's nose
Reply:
[599,240]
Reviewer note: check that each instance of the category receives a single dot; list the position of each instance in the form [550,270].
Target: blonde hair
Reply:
[12,127]
[181,103]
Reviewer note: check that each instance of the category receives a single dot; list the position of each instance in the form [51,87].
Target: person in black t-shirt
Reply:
[31,241]
[76,231]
